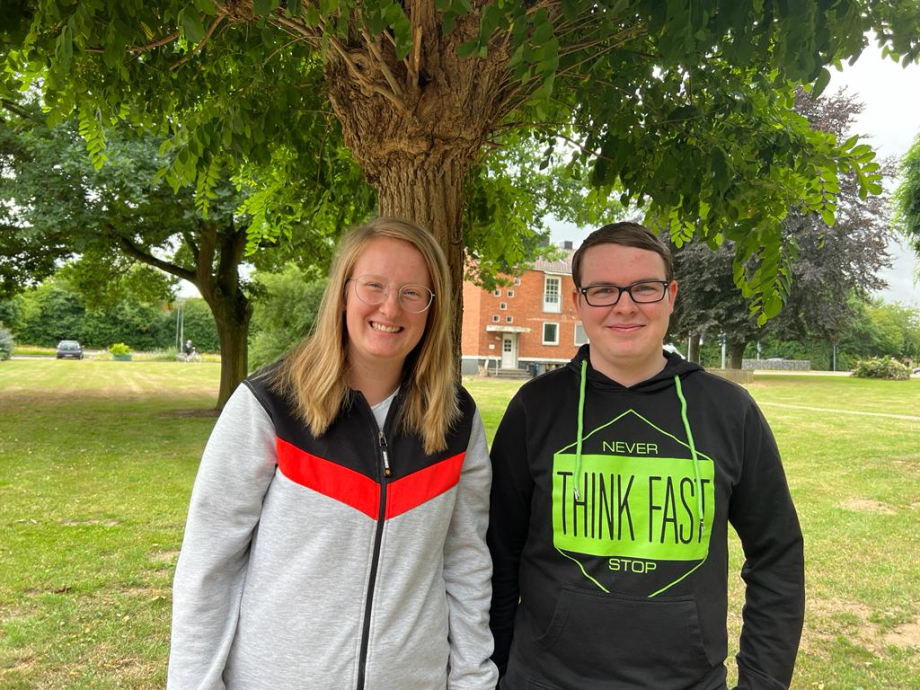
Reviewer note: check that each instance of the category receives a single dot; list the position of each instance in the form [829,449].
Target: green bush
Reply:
[6,344]
[881,368]
[120,349]
[283,313]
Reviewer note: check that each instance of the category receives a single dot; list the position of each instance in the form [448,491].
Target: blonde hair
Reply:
[315,375]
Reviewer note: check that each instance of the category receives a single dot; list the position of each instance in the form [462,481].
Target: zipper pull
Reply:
[386,456]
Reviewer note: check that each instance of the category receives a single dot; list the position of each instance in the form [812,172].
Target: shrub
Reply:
[6,344]
[881,368]
[120,349]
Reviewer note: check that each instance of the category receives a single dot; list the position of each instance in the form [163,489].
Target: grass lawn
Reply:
[97,460]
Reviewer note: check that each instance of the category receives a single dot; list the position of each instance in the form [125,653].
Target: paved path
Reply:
[908,417]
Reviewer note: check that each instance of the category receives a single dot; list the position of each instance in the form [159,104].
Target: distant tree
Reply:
[831,263]
[284,312]
[55,311]
[109,218]
[907,196]
[6,343]
[50,313]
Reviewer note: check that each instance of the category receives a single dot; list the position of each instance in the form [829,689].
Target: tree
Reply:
[685,107]
[285,311]
[907,196]
[112,217]
[831,262]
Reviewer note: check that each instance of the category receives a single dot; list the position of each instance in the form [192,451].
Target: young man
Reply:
[615,479]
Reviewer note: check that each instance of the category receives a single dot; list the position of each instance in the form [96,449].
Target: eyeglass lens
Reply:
[641,293]
[375,290]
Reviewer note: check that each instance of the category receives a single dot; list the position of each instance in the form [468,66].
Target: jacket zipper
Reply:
[378,538]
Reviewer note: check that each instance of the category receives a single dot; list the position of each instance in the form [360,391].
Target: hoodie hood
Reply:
[675,366]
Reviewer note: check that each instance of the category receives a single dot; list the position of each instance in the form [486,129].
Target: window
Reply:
[495,318]
[580,336]
[552,301]
[502,305]
[497,293]
[550,333]
[510,293]
[517,281]
[509,319]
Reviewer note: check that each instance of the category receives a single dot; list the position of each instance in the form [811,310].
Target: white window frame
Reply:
[497,292]
[581,326]
[495,318]
[556,325]
[517,281]
[510,293]
[552,298]
[503,306]
[509,319]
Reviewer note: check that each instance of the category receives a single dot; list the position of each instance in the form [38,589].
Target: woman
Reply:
[336,534]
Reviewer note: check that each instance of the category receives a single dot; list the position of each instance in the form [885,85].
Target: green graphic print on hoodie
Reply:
[608,533]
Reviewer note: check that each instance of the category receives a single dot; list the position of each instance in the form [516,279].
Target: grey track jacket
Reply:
[305,566]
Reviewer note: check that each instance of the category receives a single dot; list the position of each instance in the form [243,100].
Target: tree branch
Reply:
[156,44]
[384,68]
[136,252]
[201,44]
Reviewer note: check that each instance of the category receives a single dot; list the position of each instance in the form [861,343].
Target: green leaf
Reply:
[449,22]
[262,8]
[191,25]
[824,78]
[468,49]
[206,6]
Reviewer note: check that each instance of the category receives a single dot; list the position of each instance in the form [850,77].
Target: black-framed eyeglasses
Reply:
[375,290]
[640,292]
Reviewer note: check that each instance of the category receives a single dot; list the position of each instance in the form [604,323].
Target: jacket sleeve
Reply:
[762,513]
[509,523]
[236,469]
[468,569]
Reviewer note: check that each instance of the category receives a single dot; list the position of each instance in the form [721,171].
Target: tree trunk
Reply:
[232,320]
[219,285]
[736,354]
[693,351]
[416,125]
[431,194]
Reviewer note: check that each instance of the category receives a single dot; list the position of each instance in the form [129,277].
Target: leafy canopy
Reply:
[684,109]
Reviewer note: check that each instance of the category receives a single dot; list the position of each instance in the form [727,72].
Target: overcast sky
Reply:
[890,122]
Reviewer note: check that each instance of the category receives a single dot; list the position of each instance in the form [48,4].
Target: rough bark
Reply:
[736,354]
[415,126]
[693,352]
[220,288]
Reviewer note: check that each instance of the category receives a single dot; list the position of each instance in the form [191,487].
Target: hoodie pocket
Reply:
[597,640]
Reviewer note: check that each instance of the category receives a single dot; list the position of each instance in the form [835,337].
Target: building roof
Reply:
[563,265]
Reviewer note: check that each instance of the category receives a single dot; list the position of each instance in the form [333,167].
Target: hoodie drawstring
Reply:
[696,461]
[581,417]
[690,442]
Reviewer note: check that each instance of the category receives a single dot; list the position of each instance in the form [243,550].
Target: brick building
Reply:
[531,323]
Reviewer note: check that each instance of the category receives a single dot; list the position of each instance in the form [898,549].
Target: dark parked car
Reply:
[69,348]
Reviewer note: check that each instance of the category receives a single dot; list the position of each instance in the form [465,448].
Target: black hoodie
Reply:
[611,554]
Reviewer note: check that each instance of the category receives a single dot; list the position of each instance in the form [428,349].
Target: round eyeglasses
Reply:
[641,292]
[374,290]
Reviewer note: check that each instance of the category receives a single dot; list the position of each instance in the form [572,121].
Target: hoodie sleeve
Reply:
[762,513]
[509,522]
[236,469]
[468,569]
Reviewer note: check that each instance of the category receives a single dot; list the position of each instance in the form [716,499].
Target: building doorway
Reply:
[509,351]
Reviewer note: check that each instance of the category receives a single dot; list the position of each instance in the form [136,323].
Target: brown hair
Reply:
[315,375]
[625,234]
